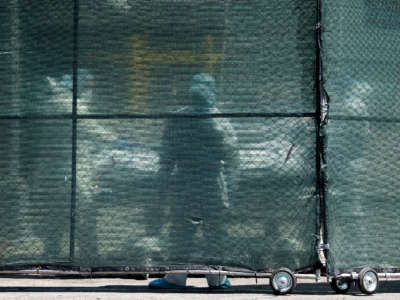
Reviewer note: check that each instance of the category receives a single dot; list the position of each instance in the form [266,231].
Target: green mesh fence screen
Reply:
[157,133]
[362,72]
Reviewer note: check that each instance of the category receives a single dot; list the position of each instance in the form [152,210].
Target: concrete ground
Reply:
[121,289]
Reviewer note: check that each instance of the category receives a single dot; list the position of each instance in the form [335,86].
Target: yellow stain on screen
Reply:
[145,57]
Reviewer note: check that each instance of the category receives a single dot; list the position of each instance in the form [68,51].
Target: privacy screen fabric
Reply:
[238,198]
[158,133]
[361,68]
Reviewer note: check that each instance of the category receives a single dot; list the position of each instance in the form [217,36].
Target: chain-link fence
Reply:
[161,133]
[158,133]
[361,67]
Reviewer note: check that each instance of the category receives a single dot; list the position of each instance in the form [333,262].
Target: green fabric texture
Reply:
[195,136]
[361,67]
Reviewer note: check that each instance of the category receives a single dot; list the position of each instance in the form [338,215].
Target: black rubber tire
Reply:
[275,289]
[361,284]
[335,285]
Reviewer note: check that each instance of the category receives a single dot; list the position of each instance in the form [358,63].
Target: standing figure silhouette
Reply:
[197,153]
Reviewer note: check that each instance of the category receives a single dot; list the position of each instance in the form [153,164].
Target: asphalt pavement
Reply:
[121,289]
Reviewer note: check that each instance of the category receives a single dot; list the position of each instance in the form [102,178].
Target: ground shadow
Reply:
[302,288]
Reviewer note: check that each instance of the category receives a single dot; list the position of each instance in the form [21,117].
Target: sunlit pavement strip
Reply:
[98,289]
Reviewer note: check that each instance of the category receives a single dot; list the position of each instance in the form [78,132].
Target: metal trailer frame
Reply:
[88,272]
[355,276]
[317,275]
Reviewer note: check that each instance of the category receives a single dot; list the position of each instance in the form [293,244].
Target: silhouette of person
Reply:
[197,154]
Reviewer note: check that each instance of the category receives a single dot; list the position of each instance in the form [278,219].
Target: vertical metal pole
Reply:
[321,115]
[15,54]
[13,131]
[318,123]
[74,128]
[15,125]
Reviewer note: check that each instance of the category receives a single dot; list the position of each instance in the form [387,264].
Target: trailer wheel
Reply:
[340,286]
[282,281]
[368,281]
